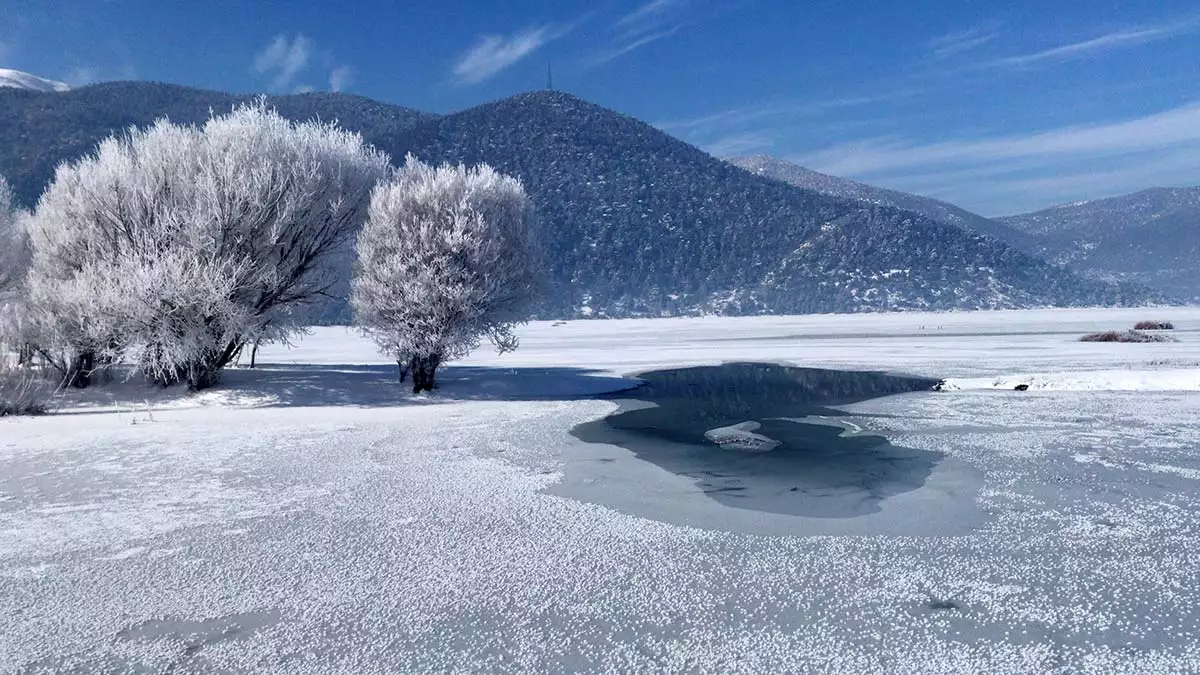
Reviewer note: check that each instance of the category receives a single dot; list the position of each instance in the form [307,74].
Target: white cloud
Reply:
[493,53]
[1129,37]
[772,113]
[646,16]
[284,59]
[619,49]
[340,78]
[945,46]
[1009,173]
[1178,125]
[653,21]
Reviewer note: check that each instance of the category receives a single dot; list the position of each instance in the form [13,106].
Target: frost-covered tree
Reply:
[448,255]
[176,245]
[14,243]
[14,263]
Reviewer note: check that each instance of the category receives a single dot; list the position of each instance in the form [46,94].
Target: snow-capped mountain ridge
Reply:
[17,79]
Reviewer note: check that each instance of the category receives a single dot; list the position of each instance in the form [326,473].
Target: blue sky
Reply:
[997,106]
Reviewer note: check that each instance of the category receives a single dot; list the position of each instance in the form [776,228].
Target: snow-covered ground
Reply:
[311,516]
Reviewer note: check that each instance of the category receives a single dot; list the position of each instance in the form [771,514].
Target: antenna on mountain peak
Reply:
[549,78]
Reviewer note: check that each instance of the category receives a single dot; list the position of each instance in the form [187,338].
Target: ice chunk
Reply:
[741,436]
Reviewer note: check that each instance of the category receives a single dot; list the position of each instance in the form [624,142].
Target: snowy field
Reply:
[311,516]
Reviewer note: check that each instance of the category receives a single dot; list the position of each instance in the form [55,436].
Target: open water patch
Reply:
[766,440]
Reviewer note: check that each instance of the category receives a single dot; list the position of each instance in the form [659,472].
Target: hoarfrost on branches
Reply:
[447,256]
[14,243]
[176,245]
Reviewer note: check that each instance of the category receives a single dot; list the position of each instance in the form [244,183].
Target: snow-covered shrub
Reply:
[448,255]
[1154,325]
[1126,336]
[176,245]
[23,389]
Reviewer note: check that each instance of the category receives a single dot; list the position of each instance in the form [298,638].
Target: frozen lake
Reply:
[311,516]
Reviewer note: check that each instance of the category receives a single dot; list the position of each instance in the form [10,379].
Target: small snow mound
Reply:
[20,80]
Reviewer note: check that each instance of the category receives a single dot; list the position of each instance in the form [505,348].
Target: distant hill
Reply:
[1150,237]
[637,223]
[794,174]
[16,79]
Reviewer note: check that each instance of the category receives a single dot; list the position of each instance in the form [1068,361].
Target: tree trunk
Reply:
[207,373]
[202,376]
[253,353]
[237,355]
[424,369]
[79,373]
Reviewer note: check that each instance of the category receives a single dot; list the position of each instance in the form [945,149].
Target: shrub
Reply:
[23,389]
[1126,336]
[1154,325]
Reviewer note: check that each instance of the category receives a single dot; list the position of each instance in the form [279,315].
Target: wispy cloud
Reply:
[951,44]
[988,173]
[283,59]
[493,53]
[1101,44]
[648,14]
[339,78]
[617,50]
[761,128]
[1177,125]
[747,114]
[653,21]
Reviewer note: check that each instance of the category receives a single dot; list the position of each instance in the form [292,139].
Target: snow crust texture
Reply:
[333,528]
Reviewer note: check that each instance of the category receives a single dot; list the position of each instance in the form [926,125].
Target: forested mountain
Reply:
[635,221]
[934,209]
[1151,237]
[639,222]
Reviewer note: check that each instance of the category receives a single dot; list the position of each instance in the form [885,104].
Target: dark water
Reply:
[789,463]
